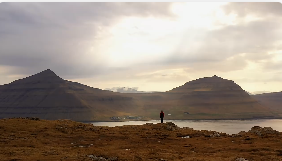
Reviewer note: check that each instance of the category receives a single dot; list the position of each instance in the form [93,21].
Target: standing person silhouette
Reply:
[162,116]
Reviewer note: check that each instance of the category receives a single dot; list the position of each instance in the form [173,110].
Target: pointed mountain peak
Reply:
[48,72]
[44,76]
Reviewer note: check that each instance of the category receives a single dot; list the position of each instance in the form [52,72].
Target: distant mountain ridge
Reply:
[47,96]
[218,98]
[272,100]
[208,84]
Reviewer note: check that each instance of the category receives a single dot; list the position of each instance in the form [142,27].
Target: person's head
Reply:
[161,110]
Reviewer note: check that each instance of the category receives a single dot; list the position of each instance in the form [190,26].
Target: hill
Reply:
[271,100]
[47,96]
[208,98]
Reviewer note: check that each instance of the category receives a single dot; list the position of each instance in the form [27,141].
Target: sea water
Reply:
[226,126]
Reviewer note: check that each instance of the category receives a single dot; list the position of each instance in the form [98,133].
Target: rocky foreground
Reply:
[33,139]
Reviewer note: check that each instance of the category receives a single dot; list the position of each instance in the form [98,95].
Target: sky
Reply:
[144,46]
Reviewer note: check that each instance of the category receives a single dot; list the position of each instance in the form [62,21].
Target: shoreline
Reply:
[29,139]
[277,118]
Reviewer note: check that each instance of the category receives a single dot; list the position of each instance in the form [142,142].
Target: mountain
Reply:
[215,97]
[271,100]
[47,96]
[203,98]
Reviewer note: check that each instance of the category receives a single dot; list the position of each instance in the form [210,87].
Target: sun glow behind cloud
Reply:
[146,45]
[139,39]
[135,38]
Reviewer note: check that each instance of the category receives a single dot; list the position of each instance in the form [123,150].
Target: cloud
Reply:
[60,36]
[85,41]
[221,49]
[273,66]
[260,9]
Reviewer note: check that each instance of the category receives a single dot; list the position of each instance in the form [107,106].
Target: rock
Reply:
[93,157]
[187,128]
[215,134]
[241,159]
[171,126]
[262,131]
[241,133]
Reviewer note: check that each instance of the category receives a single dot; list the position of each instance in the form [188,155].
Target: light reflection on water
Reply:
[226,126]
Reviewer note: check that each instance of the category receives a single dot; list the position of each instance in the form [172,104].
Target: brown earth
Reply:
[27,139]
[47,96]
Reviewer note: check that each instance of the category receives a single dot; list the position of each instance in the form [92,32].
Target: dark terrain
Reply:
[271,100]
[47,96]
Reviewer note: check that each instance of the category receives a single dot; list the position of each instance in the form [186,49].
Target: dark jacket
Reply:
[162,115]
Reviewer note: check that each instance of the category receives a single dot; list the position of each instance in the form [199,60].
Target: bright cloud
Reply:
[152,46]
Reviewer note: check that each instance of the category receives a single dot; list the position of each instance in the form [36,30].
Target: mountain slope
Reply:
[47,96]
[215,97]
[271,100]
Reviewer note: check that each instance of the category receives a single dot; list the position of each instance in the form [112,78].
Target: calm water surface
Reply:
[226,126]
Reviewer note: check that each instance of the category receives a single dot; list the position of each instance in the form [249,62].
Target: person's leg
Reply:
[162,119]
